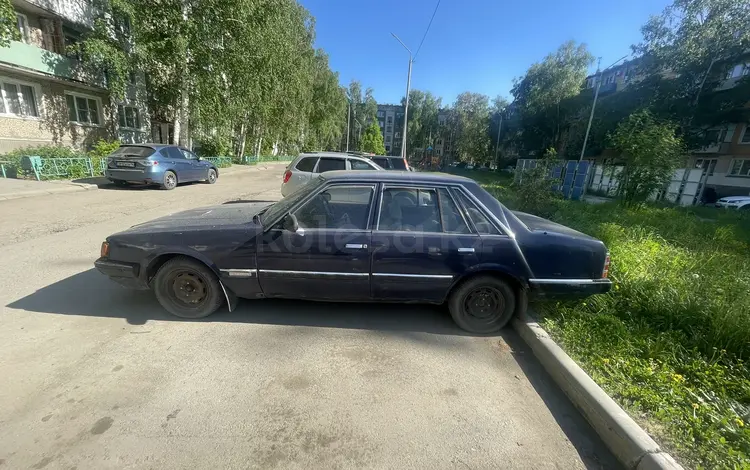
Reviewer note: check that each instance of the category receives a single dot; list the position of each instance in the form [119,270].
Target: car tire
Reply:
[482,304]
[187,288]
[170,180]
[212,176]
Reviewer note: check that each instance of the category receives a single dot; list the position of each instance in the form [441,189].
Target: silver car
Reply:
[304,167]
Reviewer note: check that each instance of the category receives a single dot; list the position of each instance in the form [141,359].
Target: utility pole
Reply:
[348,122]
[596,95]
[598,79]
[406,106]
[499,128]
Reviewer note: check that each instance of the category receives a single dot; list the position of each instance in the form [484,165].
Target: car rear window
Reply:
[331,164]
[132,151]
[398,163]
[307,164]
[383,162]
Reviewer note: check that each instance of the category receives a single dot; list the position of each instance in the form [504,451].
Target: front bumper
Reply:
[122,273]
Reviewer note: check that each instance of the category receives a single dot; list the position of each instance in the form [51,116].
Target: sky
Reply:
[473,45]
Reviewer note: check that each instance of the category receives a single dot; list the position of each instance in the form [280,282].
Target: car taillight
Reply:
[605,271]
[287,175]
[105,250]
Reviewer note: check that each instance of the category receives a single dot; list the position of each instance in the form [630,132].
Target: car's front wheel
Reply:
[187,288]
[482,304]
[212,176]
[170,180]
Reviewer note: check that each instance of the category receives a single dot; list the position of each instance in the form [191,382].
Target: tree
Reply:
[8,24]
[650,150]
[689,48]
[328,107]
[372,140]
[470,115]
[540,95]
[422,128]
[364,110]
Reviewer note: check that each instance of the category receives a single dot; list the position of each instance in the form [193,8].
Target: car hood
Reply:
[233,214]
[734,199]
[538,224]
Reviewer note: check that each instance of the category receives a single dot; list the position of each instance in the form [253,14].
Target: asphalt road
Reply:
[95,376]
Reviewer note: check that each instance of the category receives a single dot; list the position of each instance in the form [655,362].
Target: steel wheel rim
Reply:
[484,304]
[171,180]
[188,289]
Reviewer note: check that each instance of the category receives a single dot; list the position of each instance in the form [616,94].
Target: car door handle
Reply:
[356,246]
[466,250]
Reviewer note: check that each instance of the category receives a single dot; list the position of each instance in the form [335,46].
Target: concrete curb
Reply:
[632,446]
[75,187]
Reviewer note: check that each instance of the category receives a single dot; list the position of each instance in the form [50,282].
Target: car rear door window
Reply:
[337,207]
[175,153]
[398,163]
[410,210]
[382,162]
[331,164]
[360,165]
[450,214]
[307,164]
[480,221]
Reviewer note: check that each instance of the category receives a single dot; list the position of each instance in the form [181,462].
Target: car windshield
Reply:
[132,151]
[283,206]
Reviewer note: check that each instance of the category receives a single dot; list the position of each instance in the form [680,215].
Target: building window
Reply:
[745,139]
[129,116]
[23,27]
[388,139]
[708,164]
[387,148]
[389,119]
[389,129]
[83,109]
[381,114]
[740,167]
[738,70]
[18,99]
[437,152]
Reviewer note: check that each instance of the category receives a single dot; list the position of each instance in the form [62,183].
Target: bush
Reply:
[214,147]
[100,152]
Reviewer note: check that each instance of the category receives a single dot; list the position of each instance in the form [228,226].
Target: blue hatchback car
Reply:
[162,164]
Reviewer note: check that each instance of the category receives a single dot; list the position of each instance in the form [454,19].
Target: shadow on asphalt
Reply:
[91,294]
[104,183]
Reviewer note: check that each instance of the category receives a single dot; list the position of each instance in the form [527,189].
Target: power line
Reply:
[427,30]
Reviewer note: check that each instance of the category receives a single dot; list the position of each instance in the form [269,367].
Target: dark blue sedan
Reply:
[162,164]
[361,236]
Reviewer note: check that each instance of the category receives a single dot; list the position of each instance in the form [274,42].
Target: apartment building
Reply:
[391,122]
[45,96]
[726,162]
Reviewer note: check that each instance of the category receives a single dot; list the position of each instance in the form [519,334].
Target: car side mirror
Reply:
[290,223]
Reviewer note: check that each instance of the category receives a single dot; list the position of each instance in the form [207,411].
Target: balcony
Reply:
[607,88]
[41,60]
[75,11]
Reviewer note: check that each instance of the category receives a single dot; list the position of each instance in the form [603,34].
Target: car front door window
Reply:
[337,207]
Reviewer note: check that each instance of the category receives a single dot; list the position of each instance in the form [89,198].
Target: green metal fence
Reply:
[220,162]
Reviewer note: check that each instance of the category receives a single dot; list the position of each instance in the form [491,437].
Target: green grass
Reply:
[671,341]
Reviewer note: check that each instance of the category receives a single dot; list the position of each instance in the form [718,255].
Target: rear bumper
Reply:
[569,288]
[140,176]
[122,273]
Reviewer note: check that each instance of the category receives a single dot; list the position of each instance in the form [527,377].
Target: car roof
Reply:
[394,177]
[330,155]
[152,145]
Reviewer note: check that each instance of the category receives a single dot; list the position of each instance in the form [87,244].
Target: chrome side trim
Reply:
[314,273]
[569,281]
[419,276]
[239,272]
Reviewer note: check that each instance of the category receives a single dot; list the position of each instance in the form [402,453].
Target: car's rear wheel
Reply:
[170,180]
[212,176]
[483,304]
[187,288]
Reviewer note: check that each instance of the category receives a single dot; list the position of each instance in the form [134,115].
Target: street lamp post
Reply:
[406,106]
[348,122]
